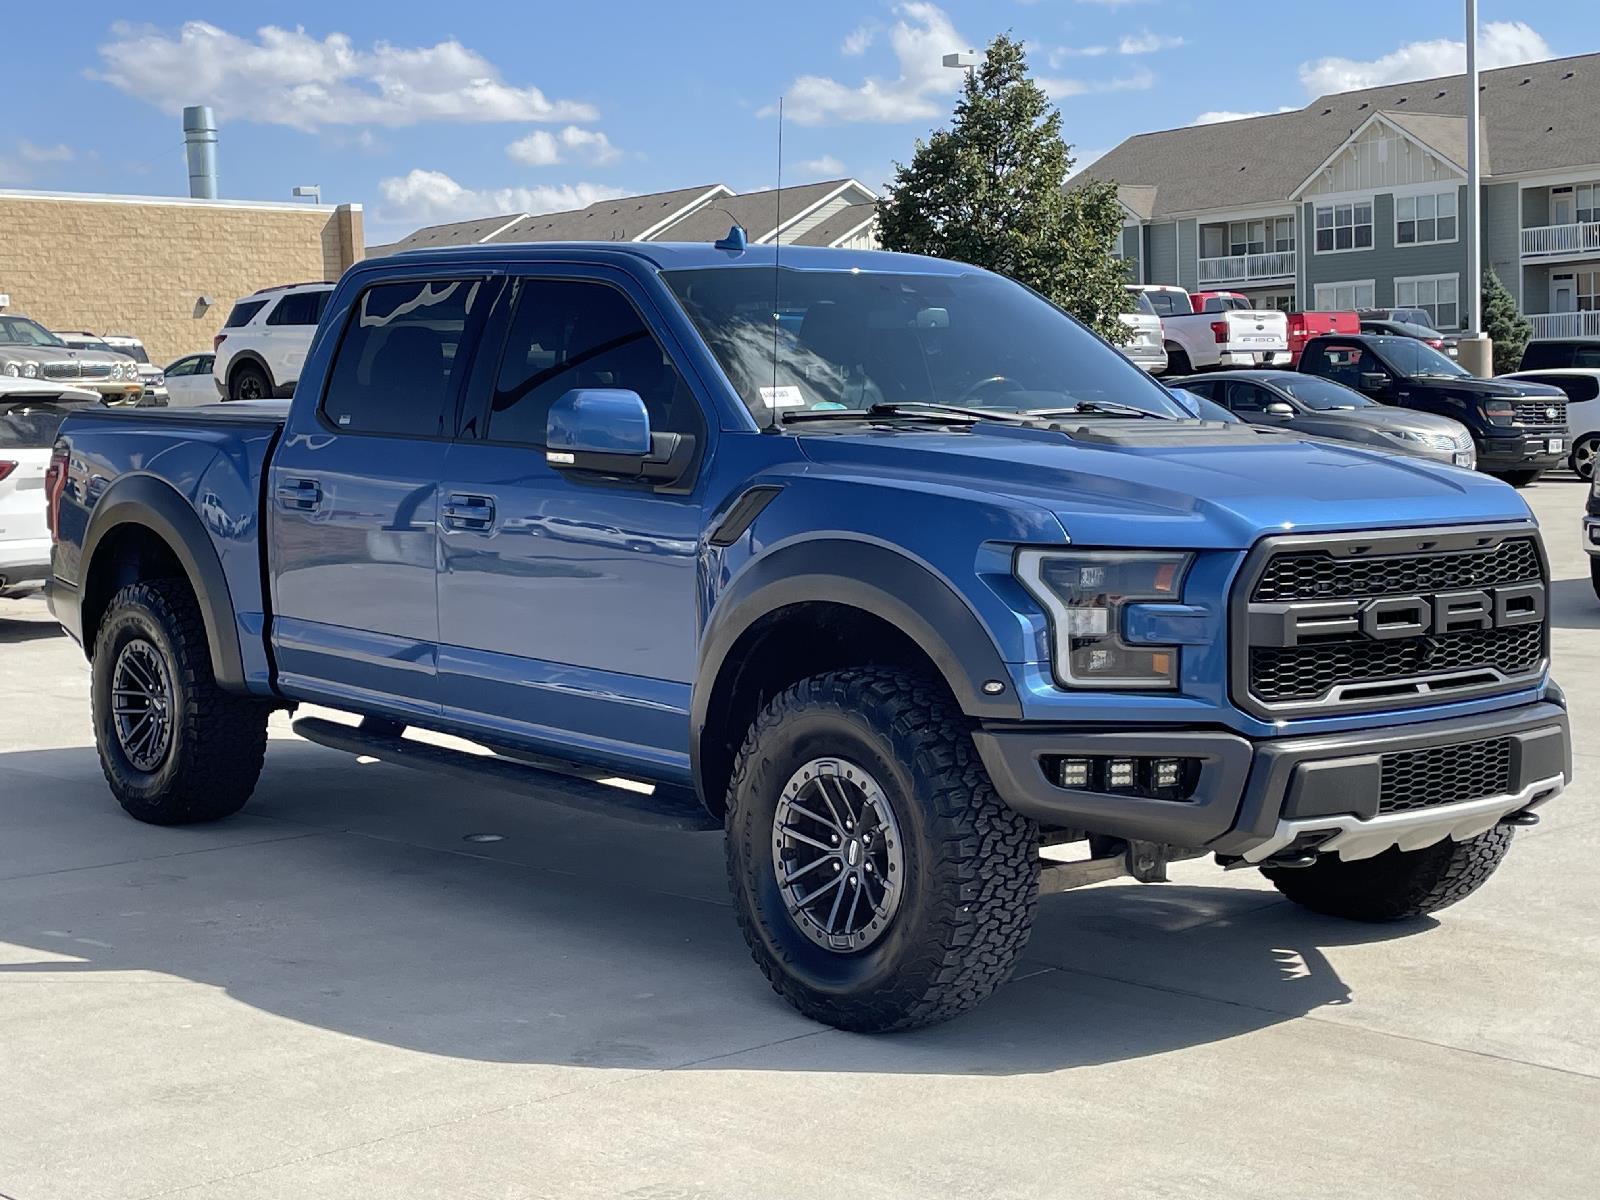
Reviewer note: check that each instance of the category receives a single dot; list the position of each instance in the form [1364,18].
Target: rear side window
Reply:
[299,308]
[1169,304]
[1577,387]
[243,313]
[396,370]
[34,425]
[568,334]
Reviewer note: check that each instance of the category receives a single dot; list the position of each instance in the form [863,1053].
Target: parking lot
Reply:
[337,994]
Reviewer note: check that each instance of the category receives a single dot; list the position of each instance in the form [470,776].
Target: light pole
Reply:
[963,60]
[1478,350]
[310,191]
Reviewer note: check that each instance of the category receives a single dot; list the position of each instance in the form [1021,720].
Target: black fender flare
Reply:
[154,504]
[250,356]
[866,576]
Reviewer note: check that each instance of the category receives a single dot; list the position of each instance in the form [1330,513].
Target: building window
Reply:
[1280,232]
[1247,237]
[1344,227]
[1437,295]
[1344,297]
[1588,202]
[1422,220]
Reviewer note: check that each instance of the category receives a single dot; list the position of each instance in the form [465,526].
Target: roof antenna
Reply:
[777,279]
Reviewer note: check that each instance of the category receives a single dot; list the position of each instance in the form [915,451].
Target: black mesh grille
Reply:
[1308,672]
[1415,779]
[1537,412]
[1304,676]
[1316,575]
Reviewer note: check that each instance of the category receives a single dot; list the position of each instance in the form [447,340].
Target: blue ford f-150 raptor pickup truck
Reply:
[881,564]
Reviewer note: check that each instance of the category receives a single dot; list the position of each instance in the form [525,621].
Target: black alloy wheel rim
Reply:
[142,705]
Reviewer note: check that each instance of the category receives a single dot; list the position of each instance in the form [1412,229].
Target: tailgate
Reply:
[1257,330]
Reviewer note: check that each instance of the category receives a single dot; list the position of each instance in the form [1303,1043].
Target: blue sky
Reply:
[426,112]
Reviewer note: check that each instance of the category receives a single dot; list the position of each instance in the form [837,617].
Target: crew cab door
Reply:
[352,498]
[567,618]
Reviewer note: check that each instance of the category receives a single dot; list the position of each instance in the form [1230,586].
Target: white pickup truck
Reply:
[1233,335]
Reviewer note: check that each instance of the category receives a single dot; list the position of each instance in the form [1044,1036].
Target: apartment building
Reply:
[1357,200]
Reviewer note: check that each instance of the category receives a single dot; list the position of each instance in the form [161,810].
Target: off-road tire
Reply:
[1521,479]
[1397,885]
[249,382]
[218,740]
[971,871]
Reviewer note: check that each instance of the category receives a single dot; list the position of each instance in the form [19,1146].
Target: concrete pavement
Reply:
[335,995]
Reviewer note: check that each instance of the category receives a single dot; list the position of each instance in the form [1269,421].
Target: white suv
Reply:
[263,343]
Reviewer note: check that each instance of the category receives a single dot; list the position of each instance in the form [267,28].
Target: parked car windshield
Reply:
[88,343]
[1411,357]
[1321,394]
[19,331]
[853,339]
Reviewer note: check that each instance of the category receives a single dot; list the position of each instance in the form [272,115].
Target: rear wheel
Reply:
[1521,479]
[880,882]
[1178,360]
[1581,460]
[1398,884]
[174,747]
[249,382]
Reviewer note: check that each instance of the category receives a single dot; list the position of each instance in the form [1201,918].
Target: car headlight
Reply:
[30,370]
[1433,441]
[158,379]
[13,370]
[1086,594]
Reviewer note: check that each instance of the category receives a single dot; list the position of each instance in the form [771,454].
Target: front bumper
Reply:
[1255,797]
[1523,450]
[1151,358]
[1256,358]
[112,391]
[24,562]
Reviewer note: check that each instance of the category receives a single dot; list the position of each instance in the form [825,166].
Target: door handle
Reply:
[469,512]
[302,494]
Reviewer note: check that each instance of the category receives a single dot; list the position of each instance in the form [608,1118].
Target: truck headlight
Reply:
[1086,594]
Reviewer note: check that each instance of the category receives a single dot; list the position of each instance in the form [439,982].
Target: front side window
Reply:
[1434,295]
[1247,398]
[19,331]
[1422,220]
[566,334]
[1344,227]
[1321,395]
[825,339]
[396,370]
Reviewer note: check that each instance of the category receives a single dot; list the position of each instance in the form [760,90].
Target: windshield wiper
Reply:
[1109,407]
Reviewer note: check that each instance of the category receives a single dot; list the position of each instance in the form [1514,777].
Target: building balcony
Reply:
[1565,324]
[1552,241]
[1247,268]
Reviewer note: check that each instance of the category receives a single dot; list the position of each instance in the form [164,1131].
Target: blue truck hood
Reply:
[1203,495]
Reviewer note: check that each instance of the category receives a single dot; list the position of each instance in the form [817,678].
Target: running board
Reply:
[669,808]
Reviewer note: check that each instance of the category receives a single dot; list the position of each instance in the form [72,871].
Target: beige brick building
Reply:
[164,269]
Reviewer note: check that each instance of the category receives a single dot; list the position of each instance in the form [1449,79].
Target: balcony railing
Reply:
[1246,268]
[1543,240]
[1567,324]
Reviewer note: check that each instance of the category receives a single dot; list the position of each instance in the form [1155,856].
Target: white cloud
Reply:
[1500,44]
[430,197]
[542,148]
[59,153]
[920,37]
[1061,54]
[1114,3]
[1219,115]
[1061,89]
[1147,43]
[288,77]
[826,167]
[858,40]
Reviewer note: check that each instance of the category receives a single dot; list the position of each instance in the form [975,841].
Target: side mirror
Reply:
[607,431]
[1374,381]
[1279,408]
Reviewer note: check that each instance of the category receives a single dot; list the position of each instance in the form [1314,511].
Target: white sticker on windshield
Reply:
[787,396]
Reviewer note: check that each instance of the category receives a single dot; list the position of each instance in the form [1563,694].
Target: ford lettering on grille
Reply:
[1338,624]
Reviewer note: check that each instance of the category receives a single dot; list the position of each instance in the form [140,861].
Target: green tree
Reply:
[989,191]
[1503,324]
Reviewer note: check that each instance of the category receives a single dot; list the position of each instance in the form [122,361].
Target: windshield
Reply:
[1321,394]
[852,339]
[87,343]
[1411,357]
[19,331]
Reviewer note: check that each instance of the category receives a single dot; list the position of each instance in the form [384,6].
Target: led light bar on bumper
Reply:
[1086,594]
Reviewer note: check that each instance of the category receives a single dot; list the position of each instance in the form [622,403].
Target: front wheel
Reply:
[880,882]
[174,747]
[1396,885]
[1581,460]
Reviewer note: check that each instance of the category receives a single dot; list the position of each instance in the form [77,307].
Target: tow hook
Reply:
[1525,819]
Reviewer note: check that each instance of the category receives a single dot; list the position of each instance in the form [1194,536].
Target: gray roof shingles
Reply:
[756,211]
[619,220]
[1536,117]
[830,230]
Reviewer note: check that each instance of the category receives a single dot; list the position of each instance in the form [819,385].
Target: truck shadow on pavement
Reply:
[1573,604]
[345,898]
[14,630]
